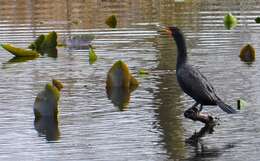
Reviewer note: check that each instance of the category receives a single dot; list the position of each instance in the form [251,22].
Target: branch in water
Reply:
[195,115]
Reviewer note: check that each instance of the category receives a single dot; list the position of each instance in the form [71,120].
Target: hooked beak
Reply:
[166,29]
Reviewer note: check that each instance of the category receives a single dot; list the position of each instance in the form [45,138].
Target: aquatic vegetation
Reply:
[47,127]
[247,53]
[46,102]
[19,52]
[230,21]
[120,97]
[92,55]
[111,21]
[120,76]
[241,104]
[143,72]
[45,44]
[257,19]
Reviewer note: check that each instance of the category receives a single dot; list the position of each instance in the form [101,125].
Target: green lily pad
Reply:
[143,72]
[241,104]
[230,21]
[92,55]
[257,19]
[111,21]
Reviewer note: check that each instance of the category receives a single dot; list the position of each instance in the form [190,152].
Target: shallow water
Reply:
[152,126]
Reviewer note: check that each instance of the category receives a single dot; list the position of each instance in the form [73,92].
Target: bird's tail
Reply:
[228,109]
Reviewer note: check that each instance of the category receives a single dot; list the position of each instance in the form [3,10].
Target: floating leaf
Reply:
[257,19]
[120,76]
[19,52]
[46,44]
[241,104]
[92,55]
[230,21]
[111,21]
[37,43]
[247,53]
[143,72]
[46,102]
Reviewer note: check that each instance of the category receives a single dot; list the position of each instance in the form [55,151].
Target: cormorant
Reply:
[191,81]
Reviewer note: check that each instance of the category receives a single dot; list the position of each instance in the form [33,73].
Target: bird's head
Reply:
[173,30]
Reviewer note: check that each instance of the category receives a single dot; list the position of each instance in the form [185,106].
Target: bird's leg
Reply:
[194,105]
[201,107]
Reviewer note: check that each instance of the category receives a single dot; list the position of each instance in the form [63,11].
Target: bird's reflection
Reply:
[119,96]
[47,127]
[202,151]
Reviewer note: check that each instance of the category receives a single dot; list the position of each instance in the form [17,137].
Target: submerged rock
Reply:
[247,53]
[46,102]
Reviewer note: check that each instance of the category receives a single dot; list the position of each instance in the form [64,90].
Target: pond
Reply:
[152,126]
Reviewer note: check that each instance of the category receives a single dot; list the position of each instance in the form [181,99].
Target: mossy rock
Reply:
[111,21]
[247,53]
[19,52]
[120,76]
[230,21]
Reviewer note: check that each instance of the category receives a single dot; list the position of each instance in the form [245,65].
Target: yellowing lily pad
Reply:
[46,102]
[19,52]
[230,21]
[247,53]
[111,21]
[120,76]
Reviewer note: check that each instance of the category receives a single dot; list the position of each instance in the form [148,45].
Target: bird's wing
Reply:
[195,84]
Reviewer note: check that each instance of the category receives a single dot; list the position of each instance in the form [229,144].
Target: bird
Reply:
[191,80]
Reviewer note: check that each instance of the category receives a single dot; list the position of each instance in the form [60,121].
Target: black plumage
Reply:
[190,79]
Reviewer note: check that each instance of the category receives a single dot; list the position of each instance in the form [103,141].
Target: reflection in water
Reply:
[20,59]
[119,96]
[47,127]
[169,111]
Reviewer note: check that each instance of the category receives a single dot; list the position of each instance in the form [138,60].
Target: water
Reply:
[152,126]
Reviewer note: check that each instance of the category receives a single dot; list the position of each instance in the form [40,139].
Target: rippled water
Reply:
[152,127]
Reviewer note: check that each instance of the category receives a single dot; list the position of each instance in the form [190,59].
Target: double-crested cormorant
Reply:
[191,80]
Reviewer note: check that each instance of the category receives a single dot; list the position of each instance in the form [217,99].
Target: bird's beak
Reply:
[165,29]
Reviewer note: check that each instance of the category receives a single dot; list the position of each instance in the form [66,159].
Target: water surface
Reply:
[151,127]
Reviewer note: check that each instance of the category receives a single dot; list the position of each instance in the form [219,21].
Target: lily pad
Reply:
[19,52]
[143,72]
[241,104]
[257,19]
[111,21]
[247,53]
[45,43]
[92,55]
[46,102]
[230,21]
[120,76]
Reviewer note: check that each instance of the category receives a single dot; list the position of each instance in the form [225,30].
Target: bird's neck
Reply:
[181,49]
